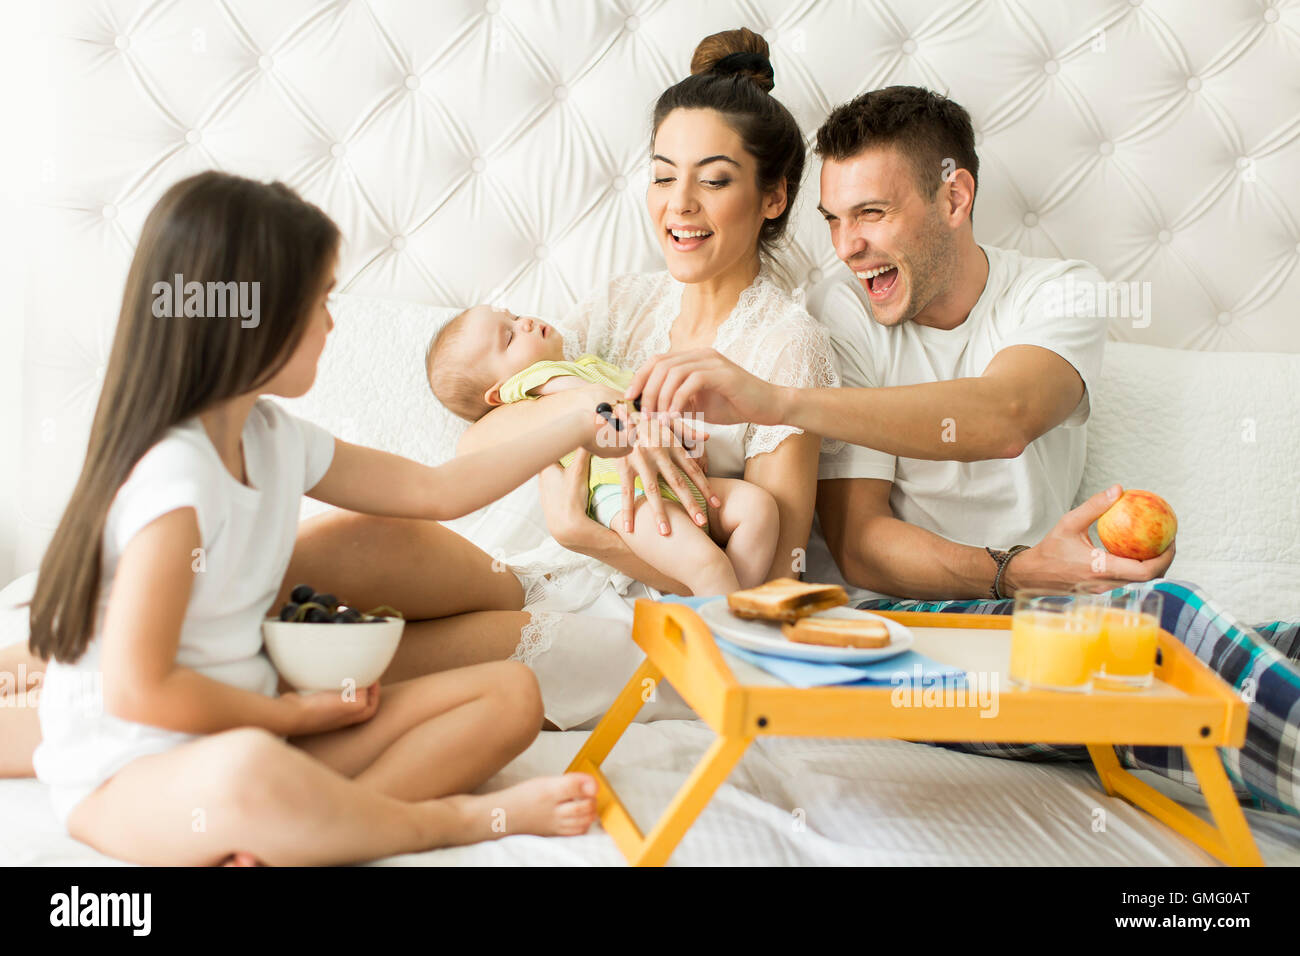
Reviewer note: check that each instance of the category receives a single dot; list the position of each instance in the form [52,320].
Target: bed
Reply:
[1149,138]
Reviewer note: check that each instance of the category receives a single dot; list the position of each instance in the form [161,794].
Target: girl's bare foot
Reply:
[545,806]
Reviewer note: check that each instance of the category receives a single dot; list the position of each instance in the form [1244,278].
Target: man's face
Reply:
[891,236]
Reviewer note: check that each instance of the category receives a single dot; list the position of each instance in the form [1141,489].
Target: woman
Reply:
[727,162]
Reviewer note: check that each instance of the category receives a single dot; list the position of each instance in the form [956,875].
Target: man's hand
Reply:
[1067,556]
[704,383]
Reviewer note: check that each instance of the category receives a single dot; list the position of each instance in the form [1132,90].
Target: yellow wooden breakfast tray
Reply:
[1187,706]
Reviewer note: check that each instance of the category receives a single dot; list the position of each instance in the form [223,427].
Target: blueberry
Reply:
[301,594]
[348,615]
[289,612]
[328,600]
[316,616]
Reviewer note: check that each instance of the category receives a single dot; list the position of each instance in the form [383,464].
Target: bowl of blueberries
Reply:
[317,643]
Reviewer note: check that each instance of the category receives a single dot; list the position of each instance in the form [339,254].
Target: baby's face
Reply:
[504,344]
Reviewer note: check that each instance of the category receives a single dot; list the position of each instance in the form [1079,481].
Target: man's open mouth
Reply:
[880,280]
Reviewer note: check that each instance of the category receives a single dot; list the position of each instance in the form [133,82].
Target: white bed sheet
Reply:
[790,801]
[793,802]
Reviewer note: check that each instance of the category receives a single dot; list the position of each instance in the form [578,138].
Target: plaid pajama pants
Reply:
[1262,663]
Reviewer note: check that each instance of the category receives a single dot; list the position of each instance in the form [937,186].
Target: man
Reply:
[968,373]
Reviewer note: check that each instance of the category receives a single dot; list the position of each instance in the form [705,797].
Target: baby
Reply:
[486,357]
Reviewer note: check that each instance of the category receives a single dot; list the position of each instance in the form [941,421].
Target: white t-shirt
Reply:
[997,503]
[247,536]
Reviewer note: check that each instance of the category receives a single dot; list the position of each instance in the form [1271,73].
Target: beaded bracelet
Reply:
[1002,559]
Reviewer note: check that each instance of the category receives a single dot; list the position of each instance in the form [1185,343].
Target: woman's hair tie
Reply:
[744,62]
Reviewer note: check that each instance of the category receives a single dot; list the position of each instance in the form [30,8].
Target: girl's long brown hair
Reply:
[212,227]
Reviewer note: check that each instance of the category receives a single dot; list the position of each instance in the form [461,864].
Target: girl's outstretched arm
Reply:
[142,626]
[379,483]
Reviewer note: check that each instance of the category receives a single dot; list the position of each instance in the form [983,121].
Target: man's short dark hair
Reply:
[932,132]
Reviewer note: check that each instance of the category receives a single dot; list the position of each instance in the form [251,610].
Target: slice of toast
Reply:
[785,599]
[838,632]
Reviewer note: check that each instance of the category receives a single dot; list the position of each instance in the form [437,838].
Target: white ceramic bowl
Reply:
[322,656]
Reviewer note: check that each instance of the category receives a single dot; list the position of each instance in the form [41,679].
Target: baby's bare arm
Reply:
[562,383]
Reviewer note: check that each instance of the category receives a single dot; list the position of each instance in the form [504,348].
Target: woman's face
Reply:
[299,372]
[704,197]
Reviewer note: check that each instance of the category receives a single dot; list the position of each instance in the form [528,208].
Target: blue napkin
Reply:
[904,670]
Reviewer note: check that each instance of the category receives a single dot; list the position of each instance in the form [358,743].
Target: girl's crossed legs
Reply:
[389,785]
[379,788]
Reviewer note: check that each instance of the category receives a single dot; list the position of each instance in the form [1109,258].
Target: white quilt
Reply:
[789,801]
[794,802]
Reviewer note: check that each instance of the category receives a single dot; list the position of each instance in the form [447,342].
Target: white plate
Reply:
[765,637]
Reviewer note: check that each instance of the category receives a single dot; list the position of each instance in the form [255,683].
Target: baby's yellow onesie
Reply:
[604,494]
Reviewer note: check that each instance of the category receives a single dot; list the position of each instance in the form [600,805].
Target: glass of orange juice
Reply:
[1055,641]
[1130,622]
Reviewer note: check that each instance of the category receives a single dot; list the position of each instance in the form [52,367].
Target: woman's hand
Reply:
[702,381]
[564,501]
[660,451]
[326,710]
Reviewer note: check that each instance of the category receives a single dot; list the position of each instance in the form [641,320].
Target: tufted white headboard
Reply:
[496,149]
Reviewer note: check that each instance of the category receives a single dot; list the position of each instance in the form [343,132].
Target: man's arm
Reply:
[877,551]
[1023,393]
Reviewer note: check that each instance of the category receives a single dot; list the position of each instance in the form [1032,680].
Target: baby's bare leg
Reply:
[688,554]
[749,524]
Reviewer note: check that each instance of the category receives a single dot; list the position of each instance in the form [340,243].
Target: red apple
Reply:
[1139,525]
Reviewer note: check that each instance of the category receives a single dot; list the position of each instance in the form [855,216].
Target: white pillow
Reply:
[371,390]
[14,620]
[1217,434]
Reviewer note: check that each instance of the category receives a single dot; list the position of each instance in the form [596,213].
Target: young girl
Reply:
[164,741]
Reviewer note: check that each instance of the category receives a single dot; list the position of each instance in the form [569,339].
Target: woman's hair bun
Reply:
[741,52]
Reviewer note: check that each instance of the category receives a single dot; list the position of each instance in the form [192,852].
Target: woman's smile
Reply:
[686,238]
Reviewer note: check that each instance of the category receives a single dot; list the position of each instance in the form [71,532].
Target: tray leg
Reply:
[1239,846]
[611,727]
[1104,759]
[1231,842]
[618,823]
[694,794]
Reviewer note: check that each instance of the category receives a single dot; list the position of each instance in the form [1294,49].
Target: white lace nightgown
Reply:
[579,641]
